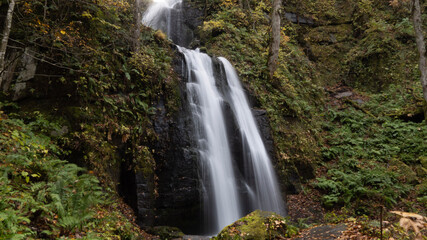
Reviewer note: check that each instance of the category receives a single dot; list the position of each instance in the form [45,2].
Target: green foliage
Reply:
[291,98]
[397,101]
[108,89]
[363,137]
[43,186]
[41,195]
[345,187]
[383,50]
[372,159]
[377,59]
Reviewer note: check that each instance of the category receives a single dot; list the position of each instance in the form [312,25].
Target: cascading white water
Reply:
[224,191]
[206,107]
[158,15]
[268,196]
[166,15]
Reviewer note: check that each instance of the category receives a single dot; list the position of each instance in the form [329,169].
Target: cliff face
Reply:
[179,197]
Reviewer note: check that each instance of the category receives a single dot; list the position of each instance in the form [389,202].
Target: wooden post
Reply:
[381,222]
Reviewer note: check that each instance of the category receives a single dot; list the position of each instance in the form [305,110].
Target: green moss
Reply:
[258,225]
[423,160]
[166,232]
[330,34]
[421,172]
[327,46]
[422,189]
[407,174]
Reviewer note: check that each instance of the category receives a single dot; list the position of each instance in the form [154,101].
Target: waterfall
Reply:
[166,15]
[268,196]
[211,91]
[159,15]
[206,107]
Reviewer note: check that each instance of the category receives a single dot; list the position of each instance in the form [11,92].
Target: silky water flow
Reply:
[229,192]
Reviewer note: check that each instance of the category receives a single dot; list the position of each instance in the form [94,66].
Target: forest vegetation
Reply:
[341,82]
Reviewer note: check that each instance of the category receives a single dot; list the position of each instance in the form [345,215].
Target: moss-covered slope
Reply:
[98,91]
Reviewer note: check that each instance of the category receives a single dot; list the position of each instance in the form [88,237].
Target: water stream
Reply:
[207,109]
[258,165]
[230,190]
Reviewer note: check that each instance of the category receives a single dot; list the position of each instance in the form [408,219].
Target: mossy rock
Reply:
[423,160]
[406,172]
[258,225]
[421,189]
[421,172]
[327,46]
[166,232]
[330,34]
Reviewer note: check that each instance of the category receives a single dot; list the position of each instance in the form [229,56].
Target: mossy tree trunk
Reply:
[5,39]
[138,23]
[244,4]
[273,54]
[417,20]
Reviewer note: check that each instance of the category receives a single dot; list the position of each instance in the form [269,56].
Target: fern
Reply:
[73,196]
[11,226]
[36,185]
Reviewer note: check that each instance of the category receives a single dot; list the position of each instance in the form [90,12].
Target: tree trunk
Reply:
[6,32]
[206,10]
[275,37]
[244,4]
[138,23]
[416,18]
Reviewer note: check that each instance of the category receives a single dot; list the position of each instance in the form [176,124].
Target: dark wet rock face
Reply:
[179,197]
[178,201]
[295,18]
[173,194]
[265,131]
[191,18]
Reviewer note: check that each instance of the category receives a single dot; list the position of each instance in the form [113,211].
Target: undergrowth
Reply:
[372,160]
[42,196]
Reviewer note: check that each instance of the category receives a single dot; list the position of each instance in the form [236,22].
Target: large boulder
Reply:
[258,225]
